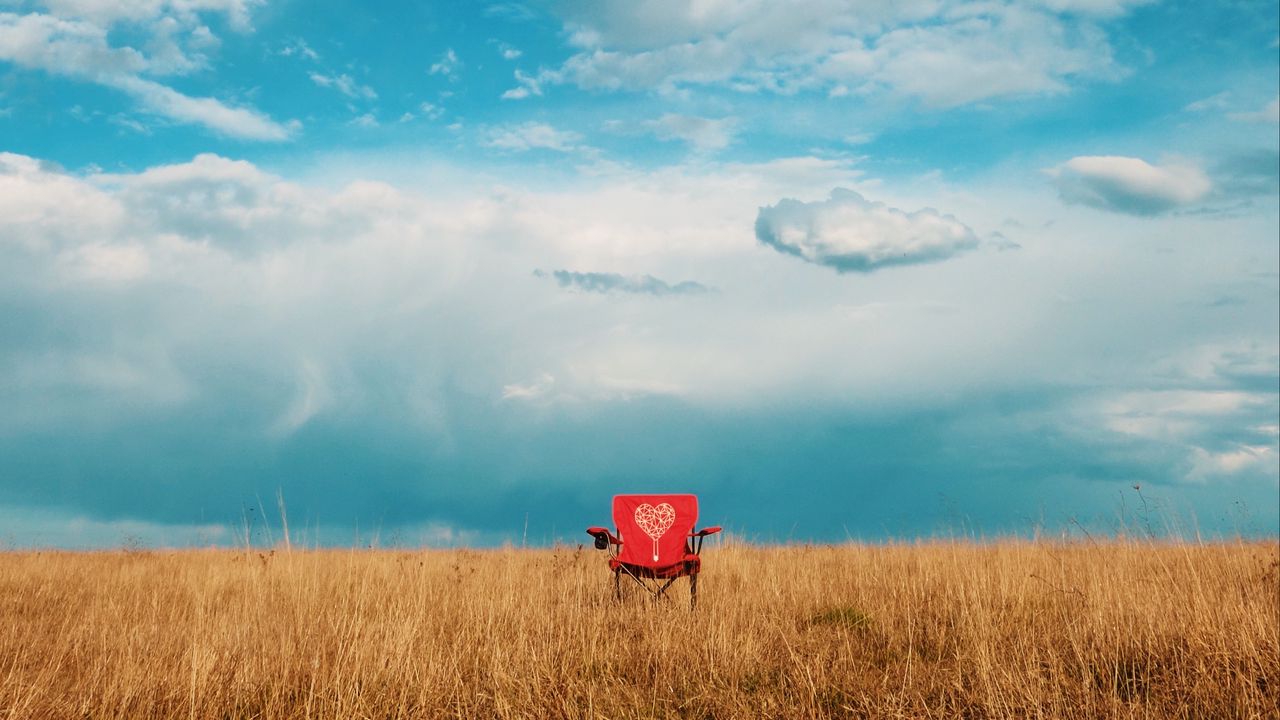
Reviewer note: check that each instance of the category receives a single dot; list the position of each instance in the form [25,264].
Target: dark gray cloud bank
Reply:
[168,362]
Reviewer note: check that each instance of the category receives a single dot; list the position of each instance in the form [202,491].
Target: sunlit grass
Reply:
[939,629]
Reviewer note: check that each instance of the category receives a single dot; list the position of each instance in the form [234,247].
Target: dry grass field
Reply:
[938,629]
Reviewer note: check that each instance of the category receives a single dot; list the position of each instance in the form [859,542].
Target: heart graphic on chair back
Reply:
[655,522]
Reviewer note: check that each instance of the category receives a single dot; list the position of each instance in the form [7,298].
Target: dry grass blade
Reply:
[939,629]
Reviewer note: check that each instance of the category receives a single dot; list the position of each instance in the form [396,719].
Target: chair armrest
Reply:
[707,531]
[598,531]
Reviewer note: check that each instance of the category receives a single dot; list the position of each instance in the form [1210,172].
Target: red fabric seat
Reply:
[655,540]
[687,566]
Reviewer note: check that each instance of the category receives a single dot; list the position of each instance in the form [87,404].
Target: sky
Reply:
[456,273]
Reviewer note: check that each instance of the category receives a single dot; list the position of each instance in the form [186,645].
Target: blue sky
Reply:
[438,271]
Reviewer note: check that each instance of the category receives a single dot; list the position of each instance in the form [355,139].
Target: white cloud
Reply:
[1129,185]
[1270,113]
[217,116]
[66,47]
[312,396]
[1174,415]
[1213,102]
[76,44]
[301,49]
[1206,464]
[107,262]
[702,134]
[529,391]
[944,53]
[344,84]
[851,234]
[528,85]
[448,65]
[109,12]
[533,136]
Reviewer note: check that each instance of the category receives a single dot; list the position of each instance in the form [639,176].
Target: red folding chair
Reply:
[655,542]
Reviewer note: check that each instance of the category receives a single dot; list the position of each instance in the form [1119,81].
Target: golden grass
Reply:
[939,629]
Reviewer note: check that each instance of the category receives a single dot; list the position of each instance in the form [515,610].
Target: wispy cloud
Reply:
[528,85]
[533,136]
[448,65]
[77,45]
[299,48]
[604,283]
[1270,113]
[702,134]
[344,84]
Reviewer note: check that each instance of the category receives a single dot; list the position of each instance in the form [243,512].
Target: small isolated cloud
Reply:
[529,391]
[612,282]
[533,136]
[702,134]
[344,84]
[299,48]
[1129,185]
[1270,113]
[528,85]
[852,234]
[1001,242]
[448,65]
[366,120]
[1213,102]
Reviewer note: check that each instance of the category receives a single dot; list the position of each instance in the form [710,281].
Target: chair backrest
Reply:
[653,528]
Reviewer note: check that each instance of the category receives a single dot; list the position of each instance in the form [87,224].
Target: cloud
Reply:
[533,136]
[1269,114]
[945,54]
[529,391]
[1248,174]
[851,234]
[702,134]
[1221,425]
[528,85]
[243,123]
[344,84]
[631,284]
[300,48]
[448,65]
[1213,102]
[79,48]
[108,12]
[351,342]
[1129,185]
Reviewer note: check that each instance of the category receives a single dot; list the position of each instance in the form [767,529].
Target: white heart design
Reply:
[655,522]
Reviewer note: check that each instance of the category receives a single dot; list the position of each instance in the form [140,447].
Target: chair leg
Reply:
[617,585]
[662,591]
[693,591]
